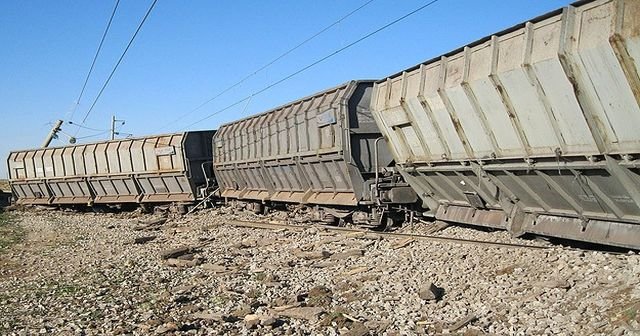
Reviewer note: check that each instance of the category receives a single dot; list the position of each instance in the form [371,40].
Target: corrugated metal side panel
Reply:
[149,169]
[568,84]
[534,130]
[293,153]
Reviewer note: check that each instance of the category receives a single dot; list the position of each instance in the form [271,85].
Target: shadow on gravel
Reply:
[586,246]
[560,242]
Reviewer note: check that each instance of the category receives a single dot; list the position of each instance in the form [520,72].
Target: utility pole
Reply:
[113,126]
[52,134]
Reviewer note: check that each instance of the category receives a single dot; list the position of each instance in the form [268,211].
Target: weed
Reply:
[253,293]
[260,276]
[631,313]
[55,289]
[66,289]
[220,300]
[10,232]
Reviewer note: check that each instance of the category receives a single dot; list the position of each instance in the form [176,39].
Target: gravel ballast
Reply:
[127,273]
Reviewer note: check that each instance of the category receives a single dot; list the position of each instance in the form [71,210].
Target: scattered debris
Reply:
[322,254]
[564,284]
[436,227]
[214,268]
[175,252]
[356,270]
[402,243]
[172,262]
[348,254]
[349,317]
[462,322]
[143,240]
[214,278]
[152,224]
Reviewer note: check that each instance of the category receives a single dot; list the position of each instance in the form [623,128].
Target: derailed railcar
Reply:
[154,169]
[320,150]
[534,129]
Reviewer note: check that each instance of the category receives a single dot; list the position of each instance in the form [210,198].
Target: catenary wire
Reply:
[144,19]
[95,57]
[86,127]
[316,62]
[270,63]
[219,111]
[94,135]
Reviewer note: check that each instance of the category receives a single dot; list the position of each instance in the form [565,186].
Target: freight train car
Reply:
[534,129]
[323,150]
[154,169]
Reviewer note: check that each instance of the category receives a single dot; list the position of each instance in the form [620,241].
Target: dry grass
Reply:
[4,185]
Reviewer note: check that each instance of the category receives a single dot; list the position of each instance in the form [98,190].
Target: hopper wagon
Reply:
[535,129]
[322,151]
[171,168]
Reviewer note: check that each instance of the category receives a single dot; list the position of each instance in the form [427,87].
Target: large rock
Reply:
[207,316]
[167,327]
[357,329]
[557,283]
[430,292]
[251,321]
[182,263]
[320,296]
[268,320]
[304,313]
[214,268]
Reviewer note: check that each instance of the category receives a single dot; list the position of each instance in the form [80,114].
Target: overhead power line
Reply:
[93,135]
[95,57]
[144,19]
[85,127]
[219,111]
[318,61]
[270,63]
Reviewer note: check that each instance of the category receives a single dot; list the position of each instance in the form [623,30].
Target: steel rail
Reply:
[432,238]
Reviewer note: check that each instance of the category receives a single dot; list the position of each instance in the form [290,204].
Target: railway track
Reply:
[431,238]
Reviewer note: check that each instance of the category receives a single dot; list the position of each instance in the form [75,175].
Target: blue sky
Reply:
[188,51]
